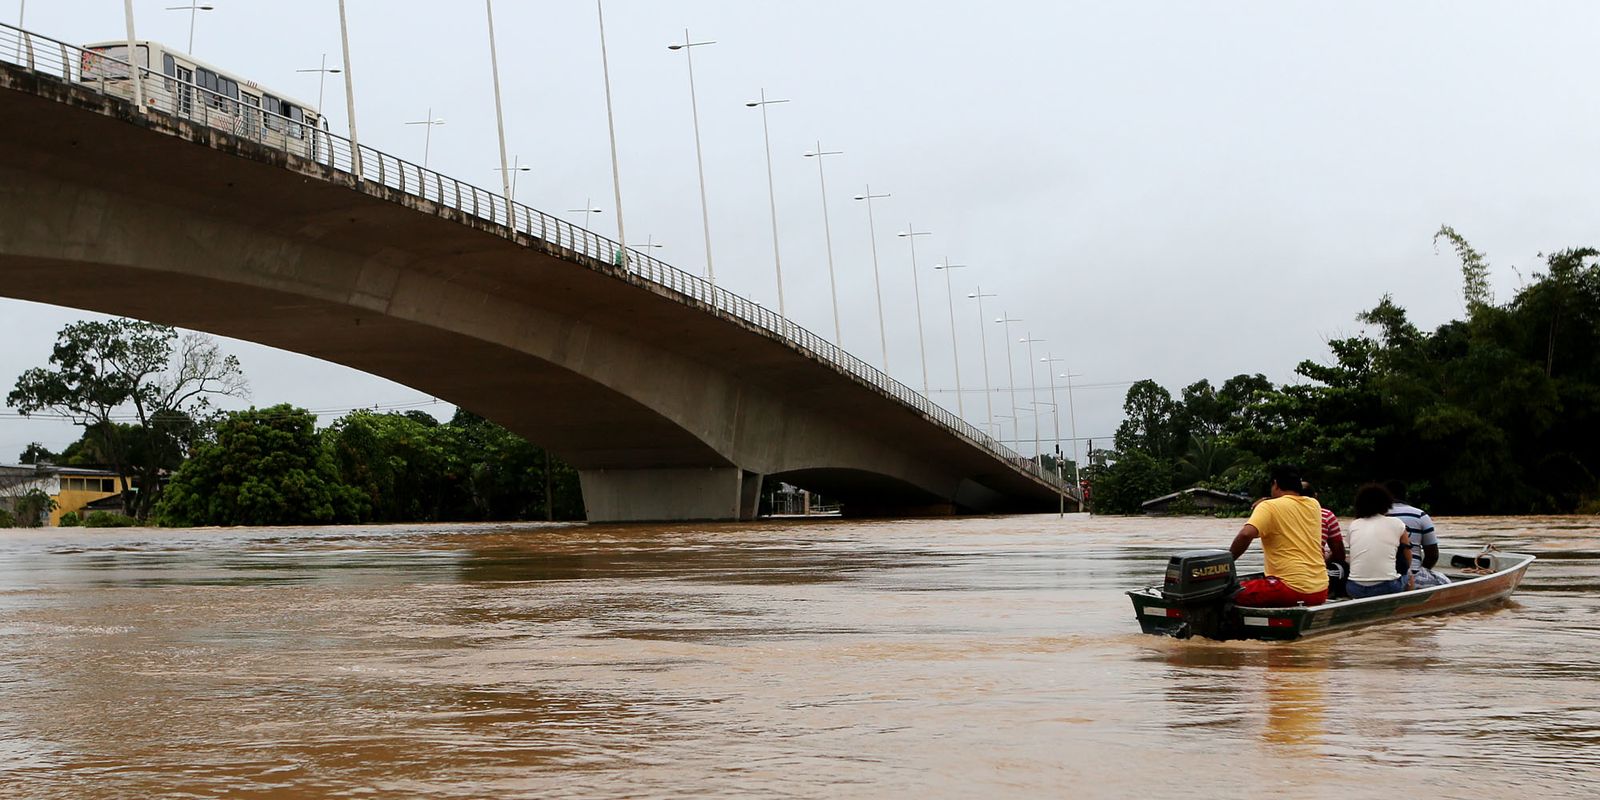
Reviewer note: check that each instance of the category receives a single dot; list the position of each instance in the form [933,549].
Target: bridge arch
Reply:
[669,409]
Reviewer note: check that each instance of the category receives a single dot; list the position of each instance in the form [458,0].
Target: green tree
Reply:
[1131,478]
[396,462]
[37,453]
[1149,423]
[32,508]
[100,370]
[266,467]
[507,477]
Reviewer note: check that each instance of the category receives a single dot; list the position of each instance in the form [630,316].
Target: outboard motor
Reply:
[1198,584]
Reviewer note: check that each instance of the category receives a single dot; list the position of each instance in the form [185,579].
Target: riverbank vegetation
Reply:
[142,394]
[1494,413]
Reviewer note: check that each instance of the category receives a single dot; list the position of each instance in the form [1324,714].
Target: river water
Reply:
[993,657]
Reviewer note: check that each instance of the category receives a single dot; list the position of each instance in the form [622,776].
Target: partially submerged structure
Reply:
[1195,500]
[77,490]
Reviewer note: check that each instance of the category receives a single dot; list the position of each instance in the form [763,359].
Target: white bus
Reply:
[188,87]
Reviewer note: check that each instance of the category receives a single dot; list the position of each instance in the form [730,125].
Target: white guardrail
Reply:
[183,99]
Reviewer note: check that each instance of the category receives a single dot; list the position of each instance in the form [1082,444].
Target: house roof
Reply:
[52,469]
[1220,495]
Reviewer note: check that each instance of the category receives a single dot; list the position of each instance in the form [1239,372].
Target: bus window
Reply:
[102,63]
[297,119]
[252,113]
[218,89]
[185,77]
[273,108]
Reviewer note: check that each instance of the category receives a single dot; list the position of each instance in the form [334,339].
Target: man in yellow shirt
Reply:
[1289,526]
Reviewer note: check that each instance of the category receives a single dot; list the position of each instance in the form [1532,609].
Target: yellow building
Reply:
[72,488]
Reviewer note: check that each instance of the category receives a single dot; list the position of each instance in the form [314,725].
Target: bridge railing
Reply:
[182,99]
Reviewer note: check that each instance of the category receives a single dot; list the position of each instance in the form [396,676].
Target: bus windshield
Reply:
[105,62]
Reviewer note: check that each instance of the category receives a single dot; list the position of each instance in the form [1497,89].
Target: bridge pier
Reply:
[663,495]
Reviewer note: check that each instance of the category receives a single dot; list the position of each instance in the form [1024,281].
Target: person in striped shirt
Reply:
[1333,554]
[1424,542]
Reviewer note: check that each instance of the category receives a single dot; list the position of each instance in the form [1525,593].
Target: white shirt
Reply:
[1373,544]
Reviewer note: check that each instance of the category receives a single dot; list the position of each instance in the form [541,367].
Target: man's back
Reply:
[1419,525]
[1291,539]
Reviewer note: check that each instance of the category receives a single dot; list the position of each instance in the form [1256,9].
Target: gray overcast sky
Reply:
[1173,190]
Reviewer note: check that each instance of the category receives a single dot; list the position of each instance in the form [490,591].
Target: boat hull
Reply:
[1158,616]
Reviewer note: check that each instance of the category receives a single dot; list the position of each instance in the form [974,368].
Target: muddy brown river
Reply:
[983,657]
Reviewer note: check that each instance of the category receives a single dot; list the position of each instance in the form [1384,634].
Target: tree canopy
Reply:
[1498,412]
[273,467]
[146,373]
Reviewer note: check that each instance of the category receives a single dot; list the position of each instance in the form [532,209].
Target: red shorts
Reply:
[1270,592]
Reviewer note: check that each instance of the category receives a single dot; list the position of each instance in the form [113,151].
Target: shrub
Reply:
[32,509]
[69,520]
[6,520]
[104,519]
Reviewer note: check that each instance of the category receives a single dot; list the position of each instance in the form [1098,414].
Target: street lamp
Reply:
[427,139]
[827,234]
[322,79]
[772,197]
[650,242]
[511,182]
[1055,416]
[1049,359]
[1072,416]
[872,232]
[588,208]
[687,46]
[955,351]
[349,92]
[1011,373]
[983,340]
[611,132]
[192,9]
[1033,383]
[507,174]
[910,234]
[1000,428]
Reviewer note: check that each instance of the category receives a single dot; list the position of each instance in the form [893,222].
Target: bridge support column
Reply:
[664,495]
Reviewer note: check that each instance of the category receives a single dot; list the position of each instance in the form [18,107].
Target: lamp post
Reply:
[349,93]
[1000,427]
[1033,383]
[427,139]
[983,340]
[687,46]
[511,182]
[506,176]
[1055,415]
[1011,373]
[827,235]
[910,234]
[588,208]
[872,232]
[955,350]
[650,242]
[772,197]
[192,9]
[611,130]
[133,68]
[1072,416]
[322,80]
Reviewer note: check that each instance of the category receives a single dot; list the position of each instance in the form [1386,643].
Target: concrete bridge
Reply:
[673,399]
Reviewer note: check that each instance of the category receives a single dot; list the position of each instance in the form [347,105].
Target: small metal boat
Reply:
[1193,599]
